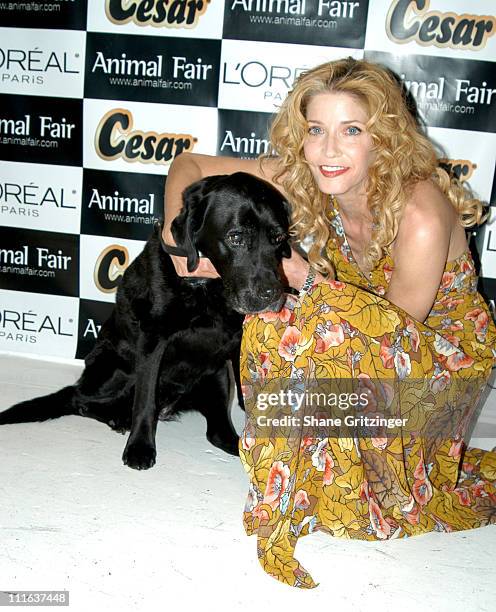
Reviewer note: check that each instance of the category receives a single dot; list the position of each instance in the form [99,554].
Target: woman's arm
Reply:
[296,270]
[421,250]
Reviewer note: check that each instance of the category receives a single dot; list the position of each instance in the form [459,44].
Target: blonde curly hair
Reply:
[403,156]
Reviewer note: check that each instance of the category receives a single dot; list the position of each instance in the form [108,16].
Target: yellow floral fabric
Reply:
[376,487]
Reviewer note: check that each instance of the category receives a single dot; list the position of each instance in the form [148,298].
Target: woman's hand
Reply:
[296,270]
[205,267]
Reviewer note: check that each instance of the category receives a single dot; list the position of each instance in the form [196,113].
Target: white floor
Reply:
[73,517]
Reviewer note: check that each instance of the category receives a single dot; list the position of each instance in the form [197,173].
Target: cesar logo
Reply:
[172,13]
[409,20]
[115,138]
[110,267]
[461,168]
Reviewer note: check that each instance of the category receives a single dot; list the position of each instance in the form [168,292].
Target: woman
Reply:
[402,320]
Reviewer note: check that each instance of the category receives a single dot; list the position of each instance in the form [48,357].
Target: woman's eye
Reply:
[353,130]
[315,130]
[235,239]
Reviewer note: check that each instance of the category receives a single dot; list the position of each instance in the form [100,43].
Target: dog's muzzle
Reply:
[253,301]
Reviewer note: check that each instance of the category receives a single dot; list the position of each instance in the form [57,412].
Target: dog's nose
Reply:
[270,293]
[256,298]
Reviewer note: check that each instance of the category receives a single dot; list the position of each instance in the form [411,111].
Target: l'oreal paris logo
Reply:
[36,60]
[14,322]
[409,20]
[31,194]
[254,73]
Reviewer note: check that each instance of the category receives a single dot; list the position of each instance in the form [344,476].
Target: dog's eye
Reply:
[236,239]
[279,238]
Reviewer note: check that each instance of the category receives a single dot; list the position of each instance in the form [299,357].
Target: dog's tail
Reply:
[41,408]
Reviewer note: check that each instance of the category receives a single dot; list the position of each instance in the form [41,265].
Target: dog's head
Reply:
[241,224]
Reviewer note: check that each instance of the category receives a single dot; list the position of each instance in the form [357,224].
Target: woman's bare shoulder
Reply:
[427,202]
[428,216]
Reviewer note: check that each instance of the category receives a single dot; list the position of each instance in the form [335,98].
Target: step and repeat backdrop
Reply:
[98,97]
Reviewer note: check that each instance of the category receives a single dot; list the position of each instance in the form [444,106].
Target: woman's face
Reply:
[337,146]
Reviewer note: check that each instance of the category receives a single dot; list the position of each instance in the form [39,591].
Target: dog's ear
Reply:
[286,247]
[187,224]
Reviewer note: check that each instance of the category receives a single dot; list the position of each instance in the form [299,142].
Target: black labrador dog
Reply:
[166,346]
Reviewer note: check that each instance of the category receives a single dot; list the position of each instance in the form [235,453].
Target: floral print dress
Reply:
[373,487]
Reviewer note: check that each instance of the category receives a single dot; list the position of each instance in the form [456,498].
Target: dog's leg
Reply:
[140,452]
[104,391]
[42,408]
[113,409]
[212,400]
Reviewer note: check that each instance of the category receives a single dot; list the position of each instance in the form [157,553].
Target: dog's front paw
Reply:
[139,456]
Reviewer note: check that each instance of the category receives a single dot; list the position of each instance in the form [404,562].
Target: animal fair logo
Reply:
[157,13]
[411,20]
[43,125]
[110,267]
[243,146]
[115,138]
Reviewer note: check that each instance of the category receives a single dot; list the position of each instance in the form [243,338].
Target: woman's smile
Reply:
[332,171]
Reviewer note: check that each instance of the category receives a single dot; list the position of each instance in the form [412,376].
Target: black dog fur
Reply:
[166,346]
